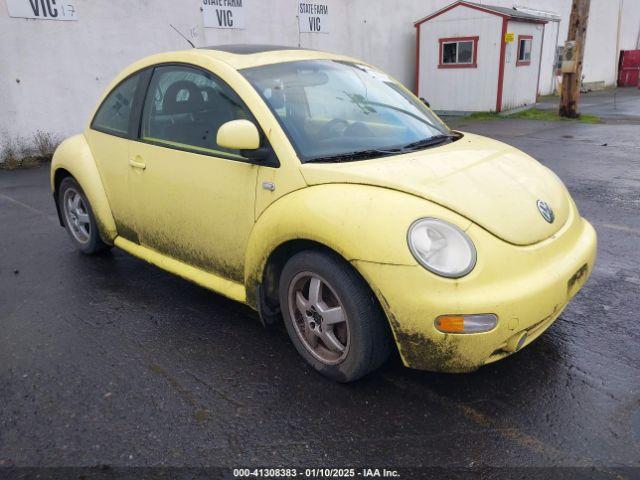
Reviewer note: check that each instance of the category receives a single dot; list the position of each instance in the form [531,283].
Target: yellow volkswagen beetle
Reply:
[316,189]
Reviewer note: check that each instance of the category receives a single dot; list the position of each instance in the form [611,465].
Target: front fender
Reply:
[359,222]
[74,156]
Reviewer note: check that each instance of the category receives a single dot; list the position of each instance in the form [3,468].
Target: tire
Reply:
[362,331]
[78,218]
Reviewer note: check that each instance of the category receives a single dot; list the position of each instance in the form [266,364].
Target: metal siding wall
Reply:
[547,69]
[449,89]
[519,87]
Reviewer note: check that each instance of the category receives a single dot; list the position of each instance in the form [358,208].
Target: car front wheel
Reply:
[332,317]
[78,218]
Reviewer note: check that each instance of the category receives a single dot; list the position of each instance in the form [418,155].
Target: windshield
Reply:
[330,109]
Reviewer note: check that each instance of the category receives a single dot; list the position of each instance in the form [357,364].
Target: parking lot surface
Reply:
[109,361]
[613,105]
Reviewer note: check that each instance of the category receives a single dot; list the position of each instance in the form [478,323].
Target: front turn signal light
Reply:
[474,323]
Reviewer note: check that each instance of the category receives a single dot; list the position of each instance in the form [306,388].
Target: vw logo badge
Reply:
[545,211]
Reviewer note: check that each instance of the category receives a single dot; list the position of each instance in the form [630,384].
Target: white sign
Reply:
[313,17]
[223,13]
[43,9]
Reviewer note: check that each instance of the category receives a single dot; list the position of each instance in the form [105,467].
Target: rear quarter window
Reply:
[114,115]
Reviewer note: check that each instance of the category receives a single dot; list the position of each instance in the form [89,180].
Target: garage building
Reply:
[473,57]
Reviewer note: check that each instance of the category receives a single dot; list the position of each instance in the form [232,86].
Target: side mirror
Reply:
[238,135]
[425,102]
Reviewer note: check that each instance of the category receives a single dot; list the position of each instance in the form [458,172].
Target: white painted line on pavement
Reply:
[28,207]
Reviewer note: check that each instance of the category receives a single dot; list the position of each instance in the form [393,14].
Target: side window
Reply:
[185,107]
[114,114]
[524,49]
[458,52]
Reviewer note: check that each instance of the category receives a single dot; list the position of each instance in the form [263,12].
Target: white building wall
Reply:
[460,89]
[519,83]
[52,73]
[547,83]
[630,25]
[62,67]
[601,57]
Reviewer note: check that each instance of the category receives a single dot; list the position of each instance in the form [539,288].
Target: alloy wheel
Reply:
[77,215]
[319,318]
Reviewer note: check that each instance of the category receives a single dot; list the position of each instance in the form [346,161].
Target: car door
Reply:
[109,138]
[194,200]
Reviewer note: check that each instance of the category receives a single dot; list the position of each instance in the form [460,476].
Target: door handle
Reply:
[137,162]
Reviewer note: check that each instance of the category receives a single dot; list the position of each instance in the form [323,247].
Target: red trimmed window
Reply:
[524,50]
[458,52]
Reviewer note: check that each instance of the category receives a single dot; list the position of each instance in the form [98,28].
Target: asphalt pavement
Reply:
[613,105]
[109,361]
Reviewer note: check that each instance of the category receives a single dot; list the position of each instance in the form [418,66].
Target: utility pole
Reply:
[572,68]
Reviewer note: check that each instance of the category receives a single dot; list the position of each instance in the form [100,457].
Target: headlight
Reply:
[441,247]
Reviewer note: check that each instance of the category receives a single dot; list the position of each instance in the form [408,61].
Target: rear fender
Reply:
[74,156]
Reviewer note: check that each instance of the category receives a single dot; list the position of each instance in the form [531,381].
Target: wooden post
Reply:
[570,92]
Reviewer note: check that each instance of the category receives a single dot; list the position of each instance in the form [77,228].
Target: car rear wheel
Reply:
[78,218]
[332,317]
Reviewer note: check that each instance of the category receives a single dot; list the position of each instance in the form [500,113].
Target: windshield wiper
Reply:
[381,152]
[357,155]
[429,142]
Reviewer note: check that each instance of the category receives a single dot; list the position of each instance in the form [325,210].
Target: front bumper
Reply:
[526,287]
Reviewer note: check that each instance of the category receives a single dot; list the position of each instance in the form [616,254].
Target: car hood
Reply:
[490,183]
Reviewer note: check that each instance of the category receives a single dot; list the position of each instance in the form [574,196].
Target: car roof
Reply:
[249,49]
[237,57]
[241,56]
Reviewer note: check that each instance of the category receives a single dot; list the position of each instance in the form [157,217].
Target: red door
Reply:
[629,68]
